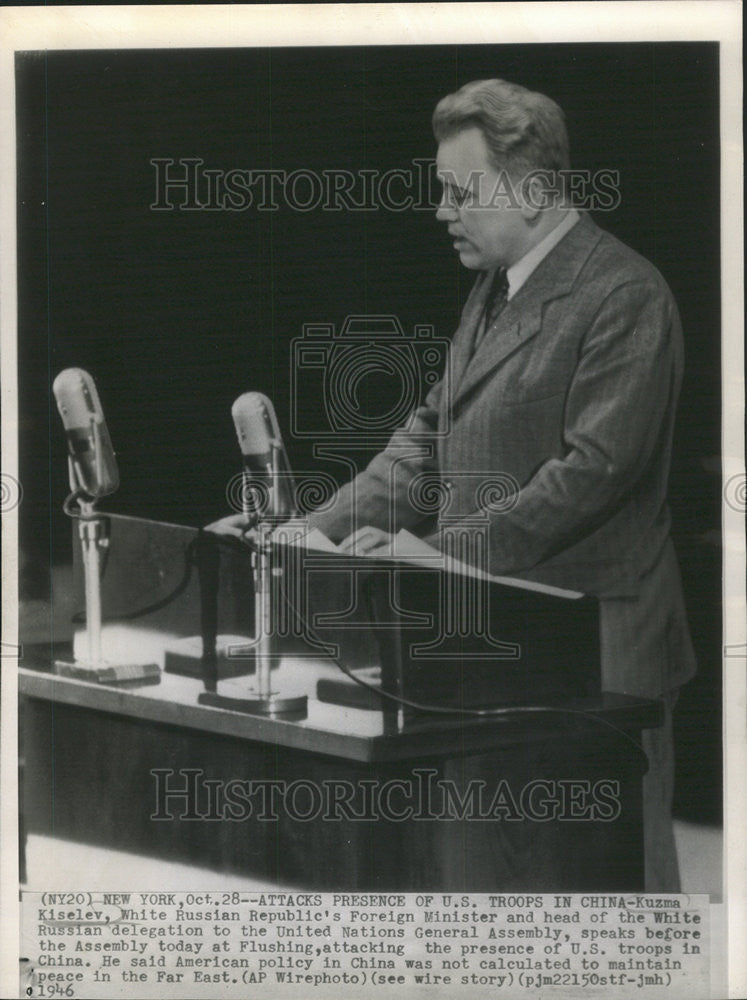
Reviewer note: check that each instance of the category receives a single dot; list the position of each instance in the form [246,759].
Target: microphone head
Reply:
[252,417]
[77,399]
[92,460]
[265,460]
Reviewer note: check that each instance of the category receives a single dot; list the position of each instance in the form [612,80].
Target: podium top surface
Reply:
[351,733]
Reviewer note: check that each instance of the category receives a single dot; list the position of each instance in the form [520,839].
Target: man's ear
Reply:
[533,195]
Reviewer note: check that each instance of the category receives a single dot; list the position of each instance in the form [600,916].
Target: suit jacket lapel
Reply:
[464,338]
[521,319]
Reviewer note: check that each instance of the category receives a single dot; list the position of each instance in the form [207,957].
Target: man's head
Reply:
[492,137]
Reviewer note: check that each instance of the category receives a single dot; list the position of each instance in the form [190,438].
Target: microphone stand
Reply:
[90,532]
[94,668]
[262,699]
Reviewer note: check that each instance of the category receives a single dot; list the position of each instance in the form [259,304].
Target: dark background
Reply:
[177,313]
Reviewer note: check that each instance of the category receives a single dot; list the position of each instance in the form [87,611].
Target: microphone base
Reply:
[272,705]
[120,674]
[234,657]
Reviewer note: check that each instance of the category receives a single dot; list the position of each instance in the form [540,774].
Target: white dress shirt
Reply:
[520,271]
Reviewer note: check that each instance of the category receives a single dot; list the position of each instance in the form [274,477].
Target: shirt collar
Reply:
[520,271]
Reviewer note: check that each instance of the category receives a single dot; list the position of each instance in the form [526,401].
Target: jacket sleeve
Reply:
[379,495]
[622,391]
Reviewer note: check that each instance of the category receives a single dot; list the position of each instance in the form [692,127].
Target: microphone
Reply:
[92,461]
[266,475]
[266,465]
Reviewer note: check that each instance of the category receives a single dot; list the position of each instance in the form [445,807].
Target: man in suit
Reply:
[565,384]
[565,372]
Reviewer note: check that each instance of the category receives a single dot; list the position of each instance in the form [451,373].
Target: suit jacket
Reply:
[551,443]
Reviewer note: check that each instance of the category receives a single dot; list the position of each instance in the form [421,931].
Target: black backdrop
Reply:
[176,313]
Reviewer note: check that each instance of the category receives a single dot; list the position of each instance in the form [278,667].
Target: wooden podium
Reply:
[345,797]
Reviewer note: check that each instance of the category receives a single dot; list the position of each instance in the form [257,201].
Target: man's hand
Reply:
[368,541]
[235,524]
[244,525]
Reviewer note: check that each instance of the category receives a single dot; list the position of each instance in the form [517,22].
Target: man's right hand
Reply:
[235,524]
[243,525]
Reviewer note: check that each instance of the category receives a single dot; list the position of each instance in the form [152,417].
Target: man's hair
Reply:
[523,130]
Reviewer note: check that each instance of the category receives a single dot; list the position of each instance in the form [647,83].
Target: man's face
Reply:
[488,231]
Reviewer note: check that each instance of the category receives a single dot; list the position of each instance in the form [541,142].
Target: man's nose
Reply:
[446,211]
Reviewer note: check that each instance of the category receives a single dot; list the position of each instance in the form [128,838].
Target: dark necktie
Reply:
[494,304]
[497,297]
